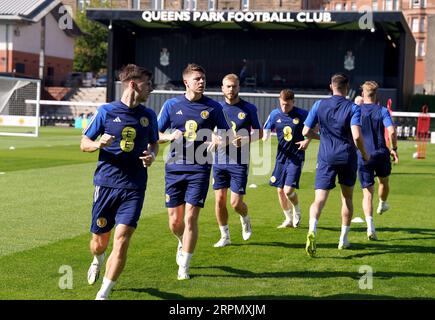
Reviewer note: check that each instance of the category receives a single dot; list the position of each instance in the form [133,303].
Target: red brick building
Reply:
[36,36]
[419,15]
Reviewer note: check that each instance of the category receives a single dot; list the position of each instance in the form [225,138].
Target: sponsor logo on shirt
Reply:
[117,119]
[180,112]
[278,121]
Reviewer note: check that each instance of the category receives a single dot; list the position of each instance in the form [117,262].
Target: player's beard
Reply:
[233,97]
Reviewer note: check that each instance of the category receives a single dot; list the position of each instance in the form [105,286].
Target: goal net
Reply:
[17,117]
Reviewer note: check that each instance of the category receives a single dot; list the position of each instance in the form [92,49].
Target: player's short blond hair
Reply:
[231,77]
[370,88]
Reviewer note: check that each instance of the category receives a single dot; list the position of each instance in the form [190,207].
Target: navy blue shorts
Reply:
[190,187]
[233,176]
[287,174]
[114,206]
[379,165]
[326,175]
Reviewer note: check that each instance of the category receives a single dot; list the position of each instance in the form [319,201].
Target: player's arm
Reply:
[149,155]
[169,137]
[310,130]
[89,145]
[355,126]
[393,138]
[310,133]
[359,141]
[269,126]
[224,134]
[391,129]
[95,128]
[257,129]
[164,122]
[257,134]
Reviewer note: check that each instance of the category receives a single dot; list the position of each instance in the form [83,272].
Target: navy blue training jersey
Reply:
[197,120]
[243,117]
[335,115]
[119,165]
[374,120]
[288,127]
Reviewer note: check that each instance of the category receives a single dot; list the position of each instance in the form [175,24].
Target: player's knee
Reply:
[98,245]
[191,221]
[175,224]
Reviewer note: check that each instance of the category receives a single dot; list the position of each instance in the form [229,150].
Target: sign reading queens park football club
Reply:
[237,16]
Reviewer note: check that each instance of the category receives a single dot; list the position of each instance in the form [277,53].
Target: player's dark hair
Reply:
[287,94]
[134,72]
[192,67]
[340,81]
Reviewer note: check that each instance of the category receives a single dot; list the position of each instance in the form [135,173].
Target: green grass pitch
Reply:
[45,208]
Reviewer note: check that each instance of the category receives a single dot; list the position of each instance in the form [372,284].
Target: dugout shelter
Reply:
[298,50]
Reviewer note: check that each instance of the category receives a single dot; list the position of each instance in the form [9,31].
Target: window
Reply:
[158,4]
[414,24]
[189,5]
[82,4]
[420,49]
[375,5]
[211,5]
[418,4]
[20,68]
[388,5]
[353,6]
[245,5]
[338,6]
[396,5]
[421,28]
[135,4]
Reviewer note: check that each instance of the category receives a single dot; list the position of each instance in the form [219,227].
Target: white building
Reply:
[36,35]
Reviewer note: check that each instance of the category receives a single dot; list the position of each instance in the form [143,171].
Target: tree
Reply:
[90,51]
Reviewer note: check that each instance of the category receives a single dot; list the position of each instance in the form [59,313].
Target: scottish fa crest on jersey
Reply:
[241,115]
[168,198]
[144,122]
[205,114]
[101,222]
[296,120]
[272,179]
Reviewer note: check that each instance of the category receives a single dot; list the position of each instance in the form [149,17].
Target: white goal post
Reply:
[18,118]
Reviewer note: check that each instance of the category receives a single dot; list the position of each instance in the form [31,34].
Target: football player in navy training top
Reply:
[374,120]
[127,147]
[231,166]
[340,131]
[287,121]
[191,119]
